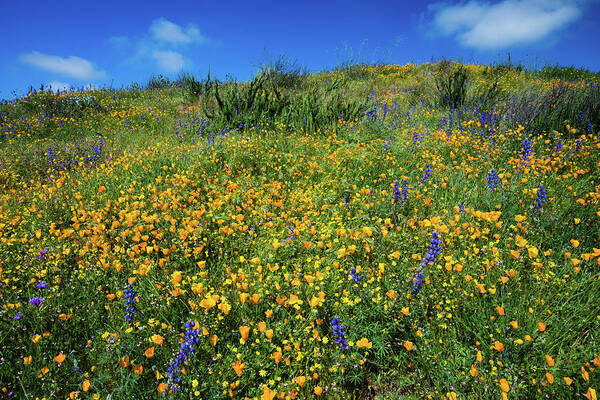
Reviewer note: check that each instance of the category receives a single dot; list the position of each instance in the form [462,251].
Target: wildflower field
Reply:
[370,232]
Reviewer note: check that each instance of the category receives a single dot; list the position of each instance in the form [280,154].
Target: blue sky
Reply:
[82,43]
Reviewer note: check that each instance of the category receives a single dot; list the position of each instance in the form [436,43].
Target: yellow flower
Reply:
[498,346]
[504,385]
[85,385]
[36,339]
[149,352]
[262,326]
[157,339]
[473,371]
[238,367]
[520,218]
[277,356]
[568,381]
[550,361]
[244,332]
[225,308]
[268,394]
[584,374]
[124,362]
[59,358]
[409,346]
[364,343]
[533,251]
[301,380]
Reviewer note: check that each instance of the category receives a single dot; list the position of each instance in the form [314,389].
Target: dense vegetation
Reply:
[374,231]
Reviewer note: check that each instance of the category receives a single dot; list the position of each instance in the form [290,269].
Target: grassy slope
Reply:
[258,230]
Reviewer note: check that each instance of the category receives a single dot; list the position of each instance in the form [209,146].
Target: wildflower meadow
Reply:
[368,232]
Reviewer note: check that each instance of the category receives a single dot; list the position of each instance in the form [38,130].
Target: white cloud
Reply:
[57,85]
[168,61]
[166,31]
[74,67]
[489,26]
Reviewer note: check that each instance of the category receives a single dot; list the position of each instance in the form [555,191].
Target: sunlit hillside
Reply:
[369,232]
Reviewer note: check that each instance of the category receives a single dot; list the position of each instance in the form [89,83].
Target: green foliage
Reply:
[158,82]
[284,73]
[194,90]
[452,84]
[246,105]
[353,71]
[563,104]
[262,101]
[49,105]
[317,109]
[564,73]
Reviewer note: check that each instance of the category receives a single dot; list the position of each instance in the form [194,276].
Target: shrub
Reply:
[158,82]
[566,73]
[242,105]
[193,89]
[452,84]
[564,104]
[284,73]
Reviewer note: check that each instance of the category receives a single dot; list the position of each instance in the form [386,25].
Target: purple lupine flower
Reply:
[18,316]
[42,255]
[397,191]
[129,303]
[540,199]
[432,253]
[418,283]
[41,285]
[559,146]
[527,151]
[427,175]
[354,274]
[186,349]
[338,333]
[493,180]
[36,301]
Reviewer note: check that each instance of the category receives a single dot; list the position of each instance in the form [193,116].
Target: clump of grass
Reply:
[158,82]
[284,73]
[264,101]
[244,105]
[452,84]
[193,89]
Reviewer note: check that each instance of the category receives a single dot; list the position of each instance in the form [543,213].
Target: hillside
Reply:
[370,232]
